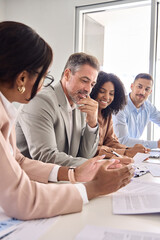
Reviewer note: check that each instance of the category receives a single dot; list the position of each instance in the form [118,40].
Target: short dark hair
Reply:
[76,60]
[144,76]
[21,48]
[119,95]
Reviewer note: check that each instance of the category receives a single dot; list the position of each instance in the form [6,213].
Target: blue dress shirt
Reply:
[129,123]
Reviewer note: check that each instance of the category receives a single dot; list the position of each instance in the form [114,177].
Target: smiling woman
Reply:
[109,92]
[112,85]
[105,96]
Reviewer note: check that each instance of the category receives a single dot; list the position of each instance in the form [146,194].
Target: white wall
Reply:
[54,20]
[94,39]
[2,10]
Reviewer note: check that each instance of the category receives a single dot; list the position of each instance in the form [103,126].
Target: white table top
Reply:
[99,212]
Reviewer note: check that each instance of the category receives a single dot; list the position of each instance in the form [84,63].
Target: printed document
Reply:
[151,165]
[7,225]
[91,232]
[11,229]
[140,157]
[154,169]
[137,198]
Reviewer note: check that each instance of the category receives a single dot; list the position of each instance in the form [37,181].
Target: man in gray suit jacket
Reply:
[60,124]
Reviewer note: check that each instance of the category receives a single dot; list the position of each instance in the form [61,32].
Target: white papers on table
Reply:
[139,166]
[91,232]
[155,149]
[31,229]
[154,154]
[7,225]
[136,198]
[140,157]
[153,160]
[15,229]
[148,165]
[154,169]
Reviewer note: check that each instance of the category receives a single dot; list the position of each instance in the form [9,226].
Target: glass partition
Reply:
[125,37]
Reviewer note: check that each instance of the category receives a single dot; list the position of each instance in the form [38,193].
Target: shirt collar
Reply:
[132,106]
[69,107]
[9,107]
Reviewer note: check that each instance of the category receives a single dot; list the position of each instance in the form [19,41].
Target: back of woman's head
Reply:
[119,92]
[21,48]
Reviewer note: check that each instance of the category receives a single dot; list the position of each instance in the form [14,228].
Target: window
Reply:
[156,132]
[121,35]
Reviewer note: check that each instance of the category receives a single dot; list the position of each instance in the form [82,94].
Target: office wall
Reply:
[94,38]
[2,10]
[54,20]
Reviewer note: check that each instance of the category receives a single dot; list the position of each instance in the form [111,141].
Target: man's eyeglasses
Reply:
[48,80]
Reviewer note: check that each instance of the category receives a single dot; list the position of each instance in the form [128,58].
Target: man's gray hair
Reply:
[77,60]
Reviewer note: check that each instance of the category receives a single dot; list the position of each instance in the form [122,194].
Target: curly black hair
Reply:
[119,95]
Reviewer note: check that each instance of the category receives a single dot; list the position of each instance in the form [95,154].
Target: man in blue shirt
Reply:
[129,123]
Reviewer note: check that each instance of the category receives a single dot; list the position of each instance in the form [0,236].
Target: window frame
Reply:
[79,26]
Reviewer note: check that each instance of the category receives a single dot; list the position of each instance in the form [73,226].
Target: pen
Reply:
[140,173]
[116,154]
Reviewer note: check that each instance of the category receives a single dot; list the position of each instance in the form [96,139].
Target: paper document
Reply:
[140,168]
[154,169]
[7,225]
[31,229]
[154,154]
[91,232]
[153,160]
[140,157]
[155,149]
[11,229]
[136,198]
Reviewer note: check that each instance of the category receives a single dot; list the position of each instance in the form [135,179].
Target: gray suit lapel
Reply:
[63,108]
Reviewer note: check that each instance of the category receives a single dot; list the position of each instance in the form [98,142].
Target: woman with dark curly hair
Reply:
[109,92]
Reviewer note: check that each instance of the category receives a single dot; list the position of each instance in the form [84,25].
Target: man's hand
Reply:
[107,181]
[130,152]
[90,107]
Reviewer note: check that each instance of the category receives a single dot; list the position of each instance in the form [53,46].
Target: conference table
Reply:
[98,212]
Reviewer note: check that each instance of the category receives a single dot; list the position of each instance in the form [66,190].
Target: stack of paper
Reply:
[11,229]
[91,232]
[151,165]
[136,198]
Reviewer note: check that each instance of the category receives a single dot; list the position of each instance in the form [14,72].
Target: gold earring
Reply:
[21,89]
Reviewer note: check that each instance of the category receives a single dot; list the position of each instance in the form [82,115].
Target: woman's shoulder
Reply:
[3,115]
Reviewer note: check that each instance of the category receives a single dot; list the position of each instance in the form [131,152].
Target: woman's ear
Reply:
[22,79]
[21,82]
